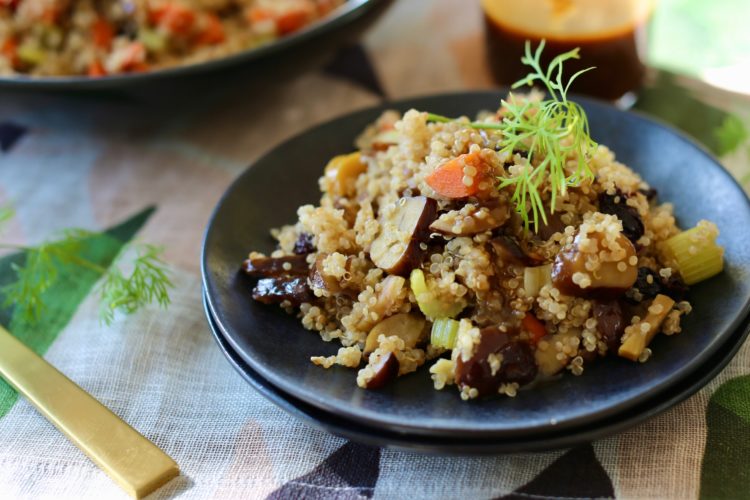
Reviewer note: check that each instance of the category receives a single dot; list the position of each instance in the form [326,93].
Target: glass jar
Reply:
[610,33]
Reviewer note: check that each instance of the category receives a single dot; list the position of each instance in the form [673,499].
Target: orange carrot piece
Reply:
[155,13]
[259,14]
[325,6]
[96,68]
[139,67]
[51,14]
[448,179]
[535,327]
[213,31]
[180,21]
[135,58]
[175,17]
[385,126]
[9,4]
[292,20]
[102,33]
[9,48]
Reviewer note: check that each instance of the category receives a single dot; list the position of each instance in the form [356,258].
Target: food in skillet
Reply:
[498,252]
[105,37]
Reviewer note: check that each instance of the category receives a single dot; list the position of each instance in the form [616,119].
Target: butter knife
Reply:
[131,460]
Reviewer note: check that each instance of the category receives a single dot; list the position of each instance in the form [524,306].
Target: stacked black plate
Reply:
[272,350]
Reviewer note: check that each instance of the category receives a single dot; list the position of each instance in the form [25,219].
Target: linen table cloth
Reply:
[153,170]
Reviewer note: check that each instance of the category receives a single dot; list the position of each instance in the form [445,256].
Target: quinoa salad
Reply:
[467,247]
[106,37]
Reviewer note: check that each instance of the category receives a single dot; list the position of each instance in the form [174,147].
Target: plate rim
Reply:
[483,446]
[369,417]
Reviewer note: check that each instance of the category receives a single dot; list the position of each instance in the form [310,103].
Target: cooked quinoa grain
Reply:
[416,256]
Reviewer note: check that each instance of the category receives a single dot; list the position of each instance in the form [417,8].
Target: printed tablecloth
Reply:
[154,170]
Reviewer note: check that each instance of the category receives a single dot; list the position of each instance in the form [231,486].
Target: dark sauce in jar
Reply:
[615,53]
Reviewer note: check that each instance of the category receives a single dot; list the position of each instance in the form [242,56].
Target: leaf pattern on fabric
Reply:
[725,472]
[352,63]
[718,130]
[576,474]
[63,298]
[348,473]
[9,135]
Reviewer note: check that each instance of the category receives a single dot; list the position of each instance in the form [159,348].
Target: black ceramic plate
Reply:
[348,13]
[278,348]
[462,446]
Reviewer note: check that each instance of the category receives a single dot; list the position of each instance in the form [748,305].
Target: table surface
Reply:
[96,162]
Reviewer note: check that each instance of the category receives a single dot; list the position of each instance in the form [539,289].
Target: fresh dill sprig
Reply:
[551,132]
[432,117]
[39,272]
[148,281]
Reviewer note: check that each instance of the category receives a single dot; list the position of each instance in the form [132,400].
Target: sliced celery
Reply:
[432,306]
[153,40]
[31,54]
[695,252]
[417,282]
[444,333]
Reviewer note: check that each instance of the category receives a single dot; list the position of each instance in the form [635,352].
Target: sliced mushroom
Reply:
[553,225]
[349,207]
[319,279]
[479,220]
[385,370]
[277,290]
[396,249]
[408,327]
[388,296]
[509,252]
[496,359]
[638,336]
[610,280]
[270,267]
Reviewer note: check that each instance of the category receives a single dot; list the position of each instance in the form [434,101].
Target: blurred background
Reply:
[685,61]
[704,39]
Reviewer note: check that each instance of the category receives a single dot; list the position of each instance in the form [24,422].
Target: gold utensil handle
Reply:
[130,459]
